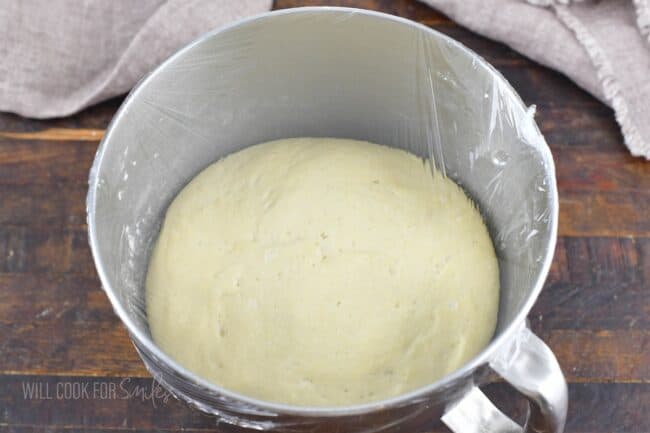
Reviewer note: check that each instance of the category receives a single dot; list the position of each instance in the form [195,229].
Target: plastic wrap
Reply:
[322,72]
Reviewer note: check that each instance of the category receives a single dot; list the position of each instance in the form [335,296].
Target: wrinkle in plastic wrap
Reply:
[332,73]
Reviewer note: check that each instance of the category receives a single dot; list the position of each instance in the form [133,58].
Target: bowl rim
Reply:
[482,358]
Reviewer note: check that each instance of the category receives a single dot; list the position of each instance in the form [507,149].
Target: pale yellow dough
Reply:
[326,272]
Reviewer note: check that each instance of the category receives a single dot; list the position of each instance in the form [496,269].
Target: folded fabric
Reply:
[604,46]
[60,56]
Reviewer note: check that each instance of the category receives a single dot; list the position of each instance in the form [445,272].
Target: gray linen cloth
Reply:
[59,56]
[602,45]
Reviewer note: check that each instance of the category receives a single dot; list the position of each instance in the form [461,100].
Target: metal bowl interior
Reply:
[333,72]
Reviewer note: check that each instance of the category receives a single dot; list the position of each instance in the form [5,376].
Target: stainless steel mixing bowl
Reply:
[341,73]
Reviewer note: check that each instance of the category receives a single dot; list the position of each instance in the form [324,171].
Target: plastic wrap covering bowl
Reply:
[336,72]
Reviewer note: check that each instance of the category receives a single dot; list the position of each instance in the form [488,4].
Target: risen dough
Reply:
[318,271]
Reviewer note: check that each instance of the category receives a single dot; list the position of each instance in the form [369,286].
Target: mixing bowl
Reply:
[338,72]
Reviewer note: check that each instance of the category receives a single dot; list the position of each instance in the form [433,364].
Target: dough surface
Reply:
[322,272]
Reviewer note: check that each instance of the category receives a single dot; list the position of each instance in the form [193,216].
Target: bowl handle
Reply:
[530,367]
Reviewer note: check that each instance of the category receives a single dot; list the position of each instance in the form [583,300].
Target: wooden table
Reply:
[60,338]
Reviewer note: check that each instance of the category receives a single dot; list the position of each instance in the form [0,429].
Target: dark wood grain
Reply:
[581,169]
[56,324]
[96,117]
[45,162]
[604,213]
[622,407]
[42,250]
[54,206]
[62,324]
[575,127]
